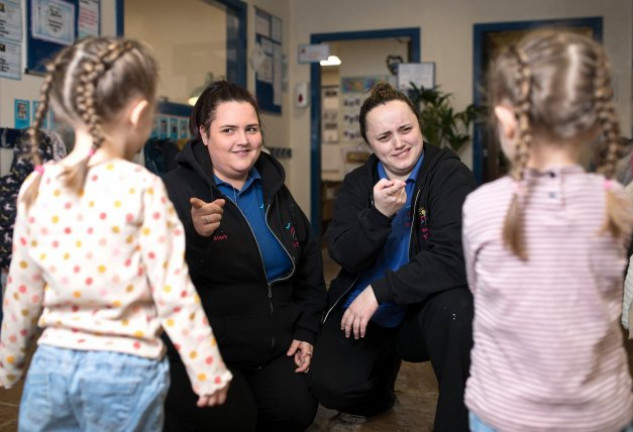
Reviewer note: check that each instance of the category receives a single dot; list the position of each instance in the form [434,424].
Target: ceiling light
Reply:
[331,61]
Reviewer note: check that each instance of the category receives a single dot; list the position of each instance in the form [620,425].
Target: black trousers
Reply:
[358,376]
[273,398]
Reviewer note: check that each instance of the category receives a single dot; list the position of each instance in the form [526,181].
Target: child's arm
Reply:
[181,314]
[22,302]
[469,253]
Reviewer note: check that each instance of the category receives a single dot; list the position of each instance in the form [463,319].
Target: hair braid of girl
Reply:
[513,226]
[619,209]
[34,131]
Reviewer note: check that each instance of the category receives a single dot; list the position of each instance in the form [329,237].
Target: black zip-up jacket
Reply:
[358,231]
[252,320]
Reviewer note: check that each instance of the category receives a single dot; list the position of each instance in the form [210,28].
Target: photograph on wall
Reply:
[22,114]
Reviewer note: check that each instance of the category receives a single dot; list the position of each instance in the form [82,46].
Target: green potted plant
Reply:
[442,125]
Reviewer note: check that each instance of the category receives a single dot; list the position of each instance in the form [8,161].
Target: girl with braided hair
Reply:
[545,248]
[98,260]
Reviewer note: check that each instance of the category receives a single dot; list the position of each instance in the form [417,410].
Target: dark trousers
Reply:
[273,398]
[357,376]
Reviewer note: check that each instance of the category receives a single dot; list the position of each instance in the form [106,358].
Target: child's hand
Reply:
[216,398]
[206,217]
[389,196]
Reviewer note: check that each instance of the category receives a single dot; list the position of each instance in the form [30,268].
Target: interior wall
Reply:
[185,56]
[29,86]
[446,39]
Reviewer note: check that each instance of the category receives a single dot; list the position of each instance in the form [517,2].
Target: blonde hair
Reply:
[88,84]
[558,84]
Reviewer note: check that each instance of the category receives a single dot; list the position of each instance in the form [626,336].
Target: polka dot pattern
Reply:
[106,264]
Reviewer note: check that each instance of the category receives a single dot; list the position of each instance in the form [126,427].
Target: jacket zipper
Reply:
[327,314]
[288,276]
[414,207]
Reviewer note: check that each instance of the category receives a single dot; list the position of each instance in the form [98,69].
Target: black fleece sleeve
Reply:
[440,266]
[357,232]
[308,283]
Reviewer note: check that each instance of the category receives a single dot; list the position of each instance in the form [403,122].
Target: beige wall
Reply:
[29,86]
[446,33]
[188,43]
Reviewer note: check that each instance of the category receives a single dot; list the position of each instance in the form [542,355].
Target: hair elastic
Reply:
[608,184]
[39,169]
[91,152]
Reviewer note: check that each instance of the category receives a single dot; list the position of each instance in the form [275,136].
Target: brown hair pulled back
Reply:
[558,84]
[87,85]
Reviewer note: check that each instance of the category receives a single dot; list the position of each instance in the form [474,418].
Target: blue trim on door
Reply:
[119,9]
[315,106]
[479,32]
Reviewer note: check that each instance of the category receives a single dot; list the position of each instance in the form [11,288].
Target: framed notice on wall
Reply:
[267,59]
[54,24]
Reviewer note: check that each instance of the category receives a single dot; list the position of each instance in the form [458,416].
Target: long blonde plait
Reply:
[89,74]
[619,210]
[513,227]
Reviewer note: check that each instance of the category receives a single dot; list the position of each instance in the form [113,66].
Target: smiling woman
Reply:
[256,267]
[401,293]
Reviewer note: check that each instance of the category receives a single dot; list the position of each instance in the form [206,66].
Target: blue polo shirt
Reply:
[395,253]
[250,200]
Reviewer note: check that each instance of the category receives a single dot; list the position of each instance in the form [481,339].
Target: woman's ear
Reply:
[203,135]
[140,109]
[507,121]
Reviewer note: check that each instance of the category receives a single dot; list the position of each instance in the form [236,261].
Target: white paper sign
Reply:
[53,21]
[421,74]
[313,53]
[88,18]
[10,21]
[10,59]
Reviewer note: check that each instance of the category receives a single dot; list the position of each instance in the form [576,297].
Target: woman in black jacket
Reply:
[402,291]
[256,267]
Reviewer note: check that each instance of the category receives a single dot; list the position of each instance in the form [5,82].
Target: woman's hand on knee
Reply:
[302,352]
[358,314]
[216,398]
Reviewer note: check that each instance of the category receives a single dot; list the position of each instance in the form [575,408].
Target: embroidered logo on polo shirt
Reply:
[293,233]
[220,235]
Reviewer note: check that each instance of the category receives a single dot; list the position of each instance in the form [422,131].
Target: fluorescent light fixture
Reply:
[331,61]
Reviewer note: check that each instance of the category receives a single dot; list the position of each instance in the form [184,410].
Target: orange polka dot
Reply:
[132,190]
[138,334]
[193,354]
[57,192]
[125,322]
[23,264]
[110,167]
[116,303]
[202,377]
[117,204]
[169,322]
[76,294]
[167,288]
[10,359]
[129,288]
[146,231]
[78,243]
[55,219]
[66,256]
[116,229]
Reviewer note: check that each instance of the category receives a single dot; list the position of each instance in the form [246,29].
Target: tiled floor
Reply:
[416,389]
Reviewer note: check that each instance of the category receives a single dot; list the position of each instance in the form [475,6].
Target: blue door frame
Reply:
[235,48]
[480,31]
[315,107]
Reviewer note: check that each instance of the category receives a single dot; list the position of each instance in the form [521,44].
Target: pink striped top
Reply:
[548,351]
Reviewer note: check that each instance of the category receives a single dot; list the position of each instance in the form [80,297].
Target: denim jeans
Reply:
[71,390]
[476,425]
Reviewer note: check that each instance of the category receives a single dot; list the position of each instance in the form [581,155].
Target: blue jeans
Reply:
[93,391]
[476,425]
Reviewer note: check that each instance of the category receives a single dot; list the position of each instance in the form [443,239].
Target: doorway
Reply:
[341,91]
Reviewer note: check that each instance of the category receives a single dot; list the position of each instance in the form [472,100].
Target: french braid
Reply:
[513,225]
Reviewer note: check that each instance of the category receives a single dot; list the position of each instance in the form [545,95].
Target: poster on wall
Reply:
[22,115]
[10,21]
[53,21]
[10,59]
[88,18]
[269,69]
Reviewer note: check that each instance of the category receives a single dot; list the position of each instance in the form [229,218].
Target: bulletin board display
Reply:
[55,24]
[268,61]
